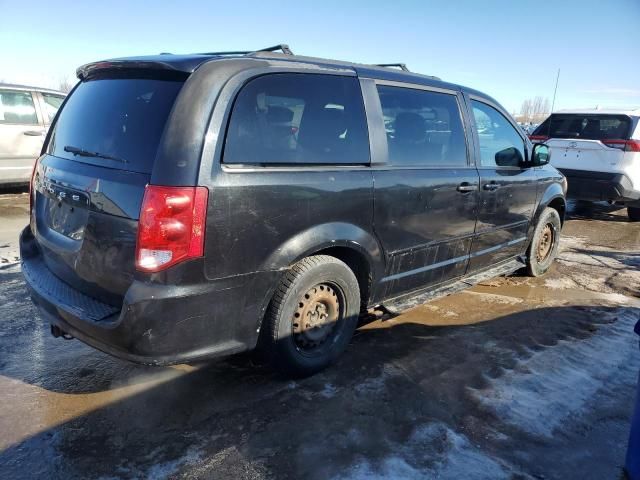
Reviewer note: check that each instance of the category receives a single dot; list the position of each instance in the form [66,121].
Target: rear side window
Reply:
[298,119]
[17,108]
[120,118]
[423,128]
[586,127]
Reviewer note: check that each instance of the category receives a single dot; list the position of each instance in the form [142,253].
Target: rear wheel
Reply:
[633,213]
[312,315]
[544,245]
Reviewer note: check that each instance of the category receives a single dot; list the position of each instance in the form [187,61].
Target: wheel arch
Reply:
[553,197]
[353,245]
[560,205]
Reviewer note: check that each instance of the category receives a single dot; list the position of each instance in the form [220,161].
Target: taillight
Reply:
[171,226]
[538,138]
[626,145]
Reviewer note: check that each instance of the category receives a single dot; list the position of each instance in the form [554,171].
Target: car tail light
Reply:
[171,226]
[538,138]
[626,145]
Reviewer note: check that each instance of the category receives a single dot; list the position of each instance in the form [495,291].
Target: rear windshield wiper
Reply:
[86,153]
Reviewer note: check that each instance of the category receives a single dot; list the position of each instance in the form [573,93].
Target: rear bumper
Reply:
[156,324]
[587,185]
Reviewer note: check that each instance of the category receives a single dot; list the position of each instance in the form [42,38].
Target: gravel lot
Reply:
[516,378]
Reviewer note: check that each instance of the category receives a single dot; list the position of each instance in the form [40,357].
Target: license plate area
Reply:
[66,212]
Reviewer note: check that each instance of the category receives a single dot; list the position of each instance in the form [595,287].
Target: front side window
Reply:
[423,128]
[51,105]
[17,108]
[500,143]
[298,119]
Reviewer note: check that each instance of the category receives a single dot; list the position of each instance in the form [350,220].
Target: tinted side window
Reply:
[17,108]
[51,104]
[298,118]
[423,128]
[500,143]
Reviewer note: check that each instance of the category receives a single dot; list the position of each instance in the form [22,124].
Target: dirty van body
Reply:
[191,206]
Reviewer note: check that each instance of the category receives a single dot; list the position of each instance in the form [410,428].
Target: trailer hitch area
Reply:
[56,331]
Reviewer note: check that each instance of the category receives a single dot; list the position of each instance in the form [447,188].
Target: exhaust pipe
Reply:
[56,331]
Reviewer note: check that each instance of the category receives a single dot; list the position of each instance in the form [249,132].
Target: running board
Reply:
[400,304]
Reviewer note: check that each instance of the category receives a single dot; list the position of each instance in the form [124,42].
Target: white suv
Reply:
[599,153]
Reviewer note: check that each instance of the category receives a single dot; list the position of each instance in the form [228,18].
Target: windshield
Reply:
[120,121]
[585,126]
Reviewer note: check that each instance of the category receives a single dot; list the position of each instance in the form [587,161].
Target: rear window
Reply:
[119,118]
[298,119]
[586,127]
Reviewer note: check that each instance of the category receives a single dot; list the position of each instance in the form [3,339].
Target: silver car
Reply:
[25,116]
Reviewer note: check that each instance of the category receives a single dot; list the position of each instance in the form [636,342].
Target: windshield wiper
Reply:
[86,153]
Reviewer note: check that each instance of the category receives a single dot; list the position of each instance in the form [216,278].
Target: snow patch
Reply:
[433,451]
[493,298]
[563,378]
[329,391]
[561,283]
[167,469]
[377,384]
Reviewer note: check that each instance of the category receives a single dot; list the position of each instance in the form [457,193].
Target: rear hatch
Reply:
[88,187]
[592,142]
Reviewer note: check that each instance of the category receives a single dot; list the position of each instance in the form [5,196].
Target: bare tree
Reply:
[526,110]
[65,84]
[534,110]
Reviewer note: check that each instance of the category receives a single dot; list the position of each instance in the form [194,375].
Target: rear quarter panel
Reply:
[265,219]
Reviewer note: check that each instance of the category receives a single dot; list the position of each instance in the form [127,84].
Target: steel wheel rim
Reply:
[316,320]
[546,242]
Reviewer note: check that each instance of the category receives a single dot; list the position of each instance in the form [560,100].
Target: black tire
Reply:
[633,213]
[317,289]
[544,244]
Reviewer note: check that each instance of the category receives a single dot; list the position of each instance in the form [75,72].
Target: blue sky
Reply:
[508,49]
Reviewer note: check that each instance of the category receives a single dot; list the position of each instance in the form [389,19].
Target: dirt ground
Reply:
[517,378]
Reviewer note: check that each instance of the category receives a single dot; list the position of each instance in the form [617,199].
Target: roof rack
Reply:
[401,66]
[282,47]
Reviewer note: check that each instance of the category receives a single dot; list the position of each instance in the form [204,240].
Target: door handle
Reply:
[33,133]
[466,187]
[491,186]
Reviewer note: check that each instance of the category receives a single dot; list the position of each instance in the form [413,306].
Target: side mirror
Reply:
[509,157]
[540,155]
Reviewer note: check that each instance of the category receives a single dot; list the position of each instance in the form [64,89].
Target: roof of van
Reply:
[15,86]
[609,111]
[189,63]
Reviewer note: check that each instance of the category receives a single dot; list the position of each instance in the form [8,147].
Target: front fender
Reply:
[551,193]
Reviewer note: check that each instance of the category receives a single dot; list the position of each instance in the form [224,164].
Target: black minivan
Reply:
[191,206]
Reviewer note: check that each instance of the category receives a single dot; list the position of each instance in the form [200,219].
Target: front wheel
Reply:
[544,245]
[312,315]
